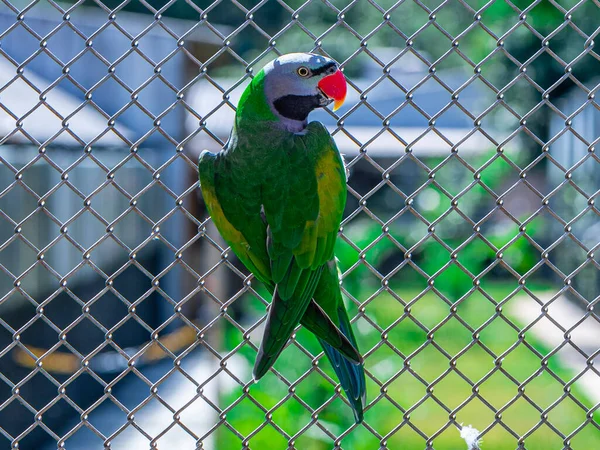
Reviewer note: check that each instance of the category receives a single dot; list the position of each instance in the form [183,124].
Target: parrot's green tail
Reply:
[283,317]
[351,375]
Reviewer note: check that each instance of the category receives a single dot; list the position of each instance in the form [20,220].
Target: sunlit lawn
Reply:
[406,379]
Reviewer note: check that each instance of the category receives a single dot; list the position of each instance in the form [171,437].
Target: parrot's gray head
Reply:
[297,83]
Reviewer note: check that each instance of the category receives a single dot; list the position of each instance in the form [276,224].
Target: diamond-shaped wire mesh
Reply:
[469,246]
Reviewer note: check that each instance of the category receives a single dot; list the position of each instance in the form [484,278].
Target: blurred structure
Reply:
[81,102]
[575,180]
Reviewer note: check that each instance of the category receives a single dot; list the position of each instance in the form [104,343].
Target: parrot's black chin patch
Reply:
[298,107]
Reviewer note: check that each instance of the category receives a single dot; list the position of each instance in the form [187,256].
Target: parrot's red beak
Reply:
[334,87]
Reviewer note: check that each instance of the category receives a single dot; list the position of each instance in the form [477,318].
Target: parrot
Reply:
[276,193]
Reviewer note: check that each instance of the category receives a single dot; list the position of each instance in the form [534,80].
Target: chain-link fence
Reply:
[469,247]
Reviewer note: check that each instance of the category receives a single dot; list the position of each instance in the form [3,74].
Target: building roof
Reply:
[91,66]
[46,120]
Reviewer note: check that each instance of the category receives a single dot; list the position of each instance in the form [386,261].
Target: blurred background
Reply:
[469,248]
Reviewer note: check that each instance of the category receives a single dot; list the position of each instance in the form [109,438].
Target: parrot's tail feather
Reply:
[284,316]
[319,323]
[351,376]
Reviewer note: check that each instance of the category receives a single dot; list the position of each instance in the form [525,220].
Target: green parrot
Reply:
[276,193]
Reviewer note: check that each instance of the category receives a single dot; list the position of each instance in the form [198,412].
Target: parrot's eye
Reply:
[303,71]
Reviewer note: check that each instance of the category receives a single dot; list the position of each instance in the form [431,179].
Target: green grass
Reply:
[406,384]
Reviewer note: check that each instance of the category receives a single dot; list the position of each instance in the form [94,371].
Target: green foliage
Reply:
[474,251]
[406,385]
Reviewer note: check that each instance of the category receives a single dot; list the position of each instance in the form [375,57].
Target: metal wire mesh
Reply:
[119,209]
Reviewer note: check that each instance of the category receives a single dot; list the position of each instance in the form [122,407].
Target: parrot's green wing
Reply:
[303,207]
[242,227]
